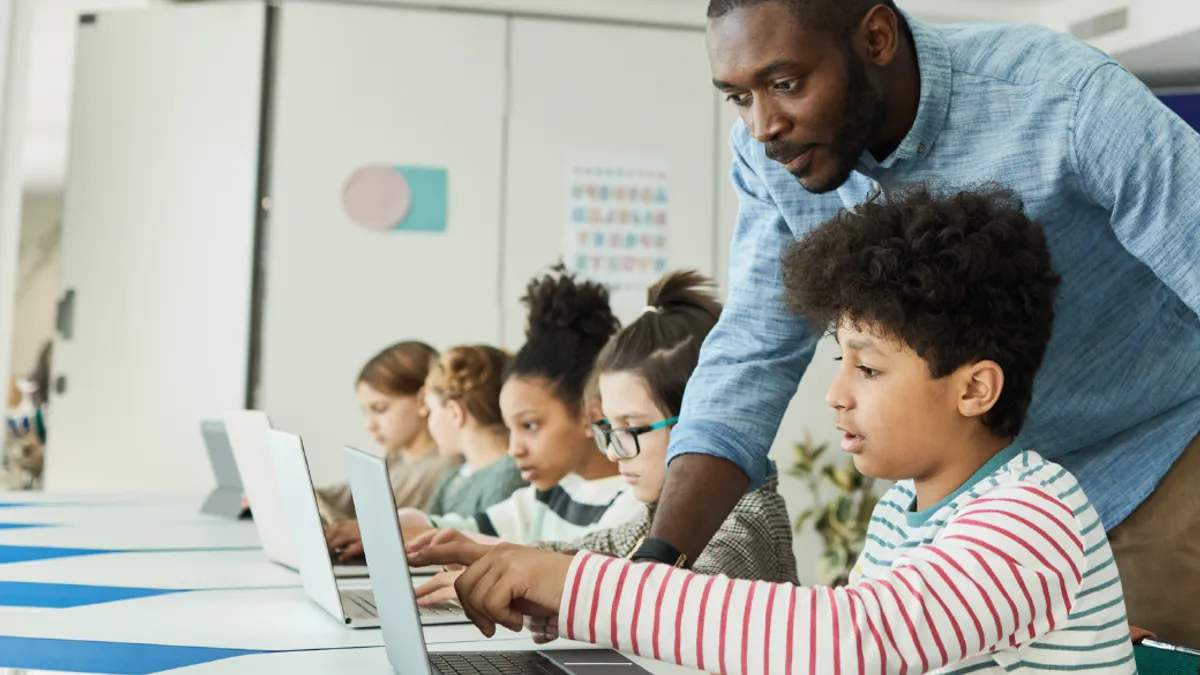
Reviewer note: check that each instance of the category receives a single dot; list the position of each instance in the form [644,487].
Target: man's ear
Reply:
[981,384]
[879,36]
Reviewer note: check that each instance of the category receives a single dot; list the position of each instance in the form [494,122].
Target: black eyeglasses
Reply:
[624,440]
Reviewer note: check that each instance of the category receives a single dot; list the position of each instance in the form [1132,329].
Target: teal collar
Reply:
[918,518]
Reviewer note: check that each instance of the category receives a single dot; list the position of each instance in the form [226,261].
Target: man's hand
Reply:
[504,586]
[344,540]
[439,589]
[698,496]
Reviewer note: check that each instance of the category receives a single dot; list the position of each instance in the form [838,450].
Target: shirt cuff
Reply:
[705,437]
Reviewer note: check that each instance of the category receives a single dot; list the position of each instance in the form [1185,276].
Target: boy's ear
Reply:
[982,383]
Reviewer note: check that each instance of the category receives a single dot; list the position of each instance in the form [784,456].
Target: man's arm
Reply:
[749,369]
[1137,159]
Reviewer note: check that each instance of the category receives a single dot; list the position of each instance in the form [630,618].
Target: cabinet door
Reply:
[358,86]
[585,93]
[158,234]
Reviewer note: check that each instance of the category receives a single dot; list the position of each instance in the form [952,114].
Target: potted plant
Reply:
[841,522]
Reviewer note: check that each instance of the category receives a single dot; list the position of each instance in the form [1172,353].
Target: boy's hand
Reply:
[506,585]
[542,629]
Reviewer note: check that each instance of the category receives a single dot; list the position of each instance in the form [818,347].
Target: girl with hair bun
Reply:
[462,395]
[573,489]
[638,380]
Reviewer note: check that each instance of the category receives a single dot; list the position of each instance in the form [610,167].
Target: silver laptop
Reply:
[248,431]
[226,499]
[353,607]
[402,634]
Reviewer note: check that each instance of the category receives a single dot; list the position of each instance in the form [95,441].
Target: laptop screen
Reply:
[387,563]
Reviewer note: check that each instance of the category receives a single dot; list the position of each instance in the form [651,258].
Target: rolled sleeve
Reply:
[753,359]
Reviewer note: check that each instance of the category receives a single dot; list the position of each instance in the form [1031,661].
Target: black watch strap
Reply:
[657,550]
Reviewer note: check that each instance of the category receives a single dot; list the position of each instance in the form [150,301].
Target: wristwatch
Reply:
[657,550]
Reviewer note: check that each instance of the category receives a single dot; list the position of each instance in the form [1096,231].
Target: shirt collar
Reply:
[933,60]
[918,518]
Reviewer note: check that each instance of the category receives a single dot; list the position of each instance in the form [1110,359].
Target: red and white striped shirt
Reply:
[1012,573]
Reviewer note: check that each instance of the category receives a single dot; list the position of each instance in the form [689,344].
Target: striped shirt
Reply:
[566,512]
[1011,573]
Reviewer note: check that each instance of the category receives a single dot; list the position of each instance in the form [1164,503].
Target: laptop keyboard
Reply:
[361,604]
[490,663]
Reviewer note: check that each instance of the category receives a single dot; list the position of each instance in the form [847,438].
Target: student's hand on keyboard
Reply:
[344,540]
[504,586]
[542,629]
[439,589]
[455,553]
[434,538]
[411,518]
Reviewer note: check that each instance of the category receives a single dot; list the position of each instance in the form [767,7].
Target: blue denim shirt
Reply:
[1114,179]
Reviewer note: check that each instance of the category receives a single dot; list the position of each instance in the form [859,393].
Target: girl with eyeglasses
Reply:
[639,379]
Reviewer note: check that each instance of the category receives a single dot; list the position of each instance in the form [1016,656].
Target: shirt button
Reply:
[920,147]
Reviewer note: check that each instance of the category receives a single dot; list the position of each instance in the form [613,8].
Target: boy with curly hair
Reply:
[984,557]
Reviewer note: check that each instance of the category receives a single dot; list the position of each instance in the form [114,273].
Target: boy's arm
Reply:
[1005,571]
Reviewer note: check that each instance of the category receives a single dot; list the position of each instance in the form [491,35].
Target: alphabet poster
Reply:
[615,232]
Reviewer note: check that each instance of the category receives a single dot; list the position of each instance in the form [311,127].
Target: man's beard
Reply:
[864,111]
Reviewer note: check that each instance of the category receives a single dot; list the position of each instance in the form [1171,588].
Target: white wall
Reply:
[15,20]
[1161,43]
[37,278]
[335,292]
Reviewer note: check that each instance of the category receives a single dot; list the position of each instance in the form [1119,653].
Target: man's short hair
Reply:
[837,16]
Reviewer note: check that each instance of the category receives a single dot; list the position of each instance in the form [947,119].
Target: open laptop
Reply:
[353,607]
[248,431]
[402,634]
[226,499]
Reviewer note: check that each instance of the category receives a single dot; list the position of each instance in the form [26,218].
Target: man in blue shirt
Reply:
[840,99]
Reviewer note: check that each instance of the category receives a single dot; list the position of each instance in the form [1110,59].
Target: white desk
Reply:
[198,583]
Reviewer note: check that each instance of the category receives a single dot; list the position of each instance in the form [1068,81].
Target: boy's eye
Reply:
[530,426]
[871,373]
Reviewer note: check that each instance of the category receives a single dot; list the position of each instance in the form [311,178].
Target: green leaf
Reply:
[802,464]
[833,566]
[803,518]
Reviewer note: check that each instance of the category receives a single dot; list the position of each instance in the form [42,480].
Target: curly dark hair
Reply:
[570,321]
[958,279]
